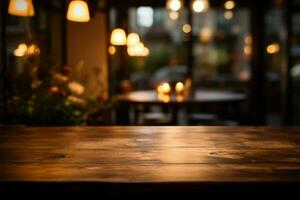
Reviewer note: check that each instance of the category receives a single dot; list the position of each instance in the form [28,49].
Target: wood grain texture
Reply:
[150,154]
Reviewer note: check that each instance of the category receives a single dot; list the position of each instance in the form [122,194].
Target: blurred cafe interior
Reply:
[150,99]
[150,62]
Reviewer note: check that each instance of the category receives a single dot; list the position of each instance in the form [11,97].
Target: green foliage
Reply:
[55,100]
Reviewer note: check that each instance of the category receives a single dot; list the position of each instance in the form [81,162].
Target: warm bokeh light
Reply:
[174,5]
[173,15]
[179,88]
[23,50]
[164,97]
[228,15]
[145,52]
[23,8]
[206,34]
[111,50]
[229,5]
[118,37]
[22,47]
[186,28]
[138,50]
[78,11]
[179,98]
[33,50]
[19,53]
[133,39]
[273,48]
[247,50]
[164,88]
[248,40]
[199,6]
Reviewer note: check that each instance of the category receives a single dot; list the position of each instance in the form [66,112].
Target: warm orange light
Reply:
[23,47]
[138,50]
[133,39]
[248,50]
[78,11]
[173,15]
[164,88]
[23,8]
[174,5]
[206,34]
[228,15]
[33,50]
[229,5]
[248,40]
[179,98]
[200,5]
[273,48]
[164,97]
[186,28]
[112,50]
[179,88]
[118,37]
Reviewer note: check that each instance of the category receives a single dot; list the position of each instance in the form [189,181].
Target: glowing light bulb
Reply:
[174,5]
[173,15]
[186,28]
[78,11]
[228,15]
[118,37]
[133,39]
[273,48]
[200,5]
[23,8]
[229,5]
[112,50]
[179,88]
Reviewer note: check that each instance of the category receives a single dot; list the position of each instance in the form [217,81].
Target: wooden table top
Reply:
[200,96]
[150,154]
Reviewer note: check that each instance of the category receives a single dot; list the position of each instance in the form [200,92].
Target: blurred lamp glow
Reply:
[112,50]
[229,5]
[247,50]
[179,87]
[133,39]
[228,15]
[20,51]
[22,47]
[118,37]
[78,11]
[173,15]
[273,48]
[138,50]
[248,39]
[200,5]
[186,28]
[174,5]
[206,34]
[23,8]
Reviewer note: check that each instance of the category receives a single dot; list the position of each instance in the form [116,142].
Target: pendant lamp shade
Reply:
[22,8]
[118,37]
[78,11]
[133,39]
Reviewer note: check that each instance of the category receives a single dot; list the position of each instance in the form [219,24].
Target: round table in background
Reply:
[198,97]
